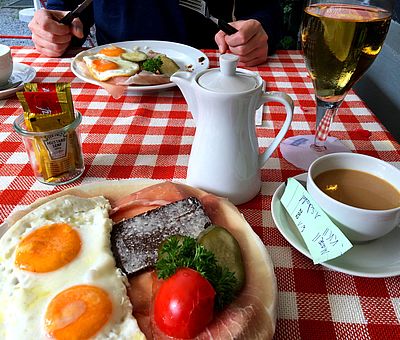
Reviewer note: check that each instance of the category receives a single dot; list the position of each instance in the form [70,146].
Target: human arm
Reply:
[259,25]
[52,38]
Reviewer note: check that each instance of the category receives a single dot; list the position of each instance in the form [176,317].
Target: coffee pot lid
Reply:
[227,79]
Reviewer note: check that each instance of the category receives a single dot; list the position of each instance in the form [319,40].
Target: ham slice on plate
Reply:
[146,199]
[252,315]
[142,78]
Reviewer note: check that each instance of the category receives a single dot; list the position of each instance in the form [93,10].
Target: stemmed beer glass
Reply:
[340,40]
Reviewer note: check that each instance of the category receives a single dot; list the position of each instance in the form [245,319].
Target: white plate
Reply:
[379,258]
[21,72]
[183,55]
[261,282]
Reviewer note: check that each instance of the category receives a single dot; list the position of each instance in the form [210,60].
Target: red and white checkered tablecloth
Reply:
[150,136]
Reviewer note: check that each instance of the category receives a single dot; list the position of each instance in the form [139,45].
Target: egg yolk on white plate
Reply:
[82,310]
[58,278]
[48,248]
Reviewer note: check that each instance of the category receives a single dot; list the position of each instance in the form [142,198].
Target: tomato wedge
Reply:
[184,304]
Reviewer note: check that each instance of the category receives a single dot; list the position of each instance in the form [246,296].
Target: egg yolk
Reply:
[112,51]
[48,248]
[102,65]
[78,313]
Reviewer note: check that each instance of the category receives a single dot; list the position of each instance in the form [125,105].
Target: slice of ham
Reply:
[142,78]
[252,315]
[140,293]
[146,199]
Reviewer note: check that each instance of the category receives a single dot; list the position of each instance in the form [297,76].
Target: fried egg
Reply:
[58,278]
[107,63]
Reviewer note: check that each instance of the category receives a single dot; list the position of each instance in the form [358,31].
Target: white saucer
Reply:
[379,258]
[21,72]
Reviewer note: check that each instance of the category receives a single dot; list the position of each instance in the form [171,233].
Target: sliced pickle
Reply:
[168,67]
[135,56]
[226,249]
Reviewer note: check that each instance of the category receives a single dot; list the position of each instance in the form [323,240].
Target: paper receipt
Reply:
[323,238]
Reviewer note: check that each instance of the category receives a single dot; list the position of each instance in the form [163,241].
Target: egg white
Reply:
[24,296]
[126,68]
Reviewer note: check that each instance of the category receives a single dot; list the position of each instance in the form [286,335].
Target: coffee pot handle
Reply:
[284,99]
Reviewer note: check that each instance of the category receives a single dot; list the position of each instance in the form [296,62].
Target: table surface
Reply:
[150,136]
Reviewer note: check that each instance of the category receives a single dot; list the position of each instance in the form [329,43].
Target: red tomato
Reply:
[184,304]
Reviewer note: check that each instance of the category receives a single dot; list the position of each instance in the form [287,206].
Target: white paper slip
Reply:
[323,238]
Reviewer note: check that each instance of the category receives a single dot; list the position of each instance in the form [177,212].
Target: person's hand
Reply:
[250,43]
[49,36]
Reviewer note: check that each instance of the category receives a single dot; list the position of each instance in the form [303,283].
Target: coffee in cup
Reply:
[359,189]
[361,194]
[6,64]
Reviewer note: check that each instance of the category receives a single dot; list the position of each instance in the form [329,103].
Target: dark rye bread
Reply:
[135,241]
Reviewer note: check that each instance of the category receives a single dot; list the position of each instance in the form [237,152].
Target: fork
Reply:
[200,6]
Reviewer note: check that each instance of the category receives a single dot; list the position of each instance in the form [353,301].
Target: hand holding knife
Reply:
[67,19]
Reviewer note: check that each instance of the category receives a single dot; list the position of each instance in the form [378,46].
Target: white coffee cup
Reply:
[6,64]
[359,225]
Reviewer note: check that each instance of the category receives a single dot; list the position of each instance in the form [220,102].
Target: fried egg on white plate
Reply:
[107,63]
[58,278]
[103,68]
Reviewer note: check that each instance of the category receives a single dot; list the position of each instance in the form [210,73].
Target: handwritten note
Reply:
[323,238]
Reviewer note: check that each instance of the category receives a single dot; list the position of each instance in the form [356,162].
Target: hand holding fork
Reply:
[250,43]
[245,38]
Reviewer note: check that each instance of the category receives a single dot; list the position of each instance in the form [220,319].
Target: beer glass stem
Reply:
[325,114]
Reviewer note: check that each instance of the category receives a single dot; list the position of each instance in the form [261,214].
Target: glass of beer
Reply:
[340,40]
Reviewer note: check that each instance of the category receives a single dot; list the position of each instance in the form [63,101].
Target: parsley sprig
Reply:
[153,65]
[183,251]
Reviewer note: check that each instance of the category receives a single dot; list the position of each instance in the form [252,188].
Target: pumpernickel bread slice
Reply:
[135,241]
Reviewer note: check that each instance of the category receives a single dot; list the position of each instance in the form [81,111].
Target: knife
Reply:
[67,19]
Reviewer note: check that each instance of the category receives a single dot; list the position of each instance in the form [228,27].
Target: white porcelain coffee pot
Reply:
[225,157]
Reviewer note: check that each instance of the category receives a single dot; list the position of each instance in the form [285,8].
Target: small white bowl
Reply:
[359,225]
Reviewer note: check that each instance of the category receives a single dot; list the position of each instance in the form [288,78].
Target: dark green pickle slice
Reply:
[135,56]
[226,249]
[168,67]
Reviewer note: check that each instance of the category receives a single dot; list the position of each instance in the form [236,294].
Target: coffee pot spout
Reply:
[185,81]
